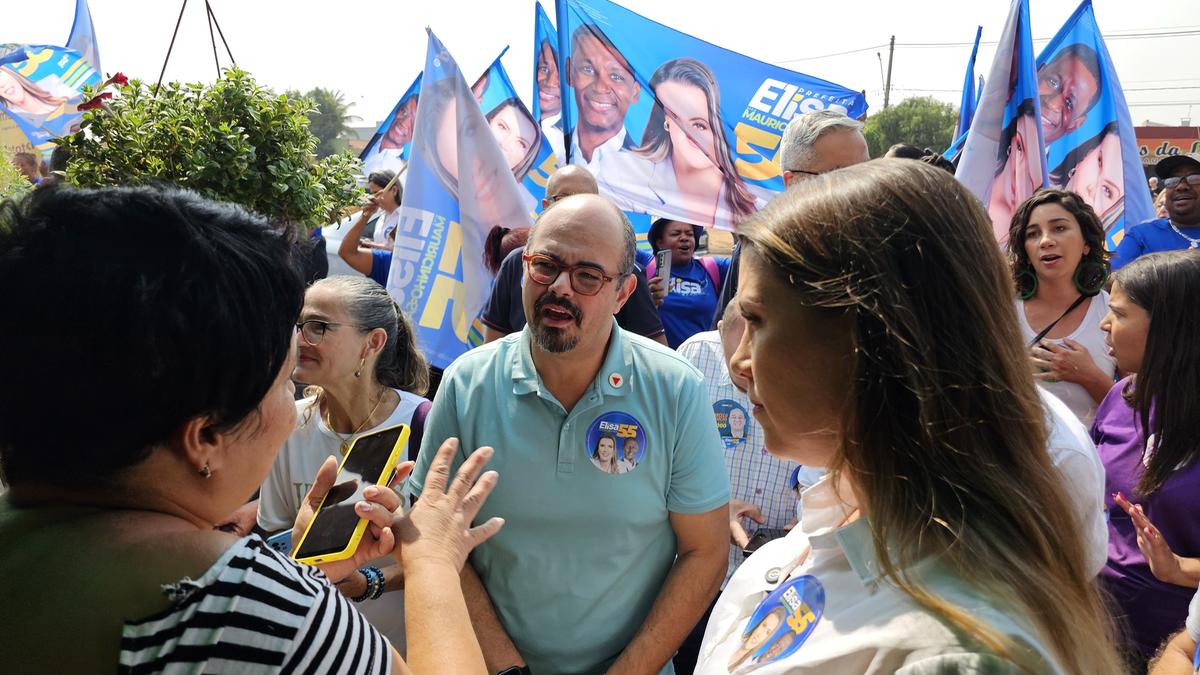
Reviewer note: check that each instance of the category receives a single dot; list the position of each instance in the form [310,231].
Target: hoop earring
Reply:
[1095,272]
[1026,289]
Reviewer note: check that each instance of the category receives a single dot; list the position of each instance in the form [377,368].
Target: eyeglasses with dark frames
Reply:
[585,279]
[313,330]
[1174,181]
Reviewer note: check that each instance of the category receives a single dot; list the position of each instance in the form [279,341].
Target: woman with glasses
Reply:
[358,354]
[942,538]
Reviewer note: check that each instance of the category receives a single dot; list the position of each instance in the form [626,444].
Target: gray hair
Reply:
[802,133]
[400,365]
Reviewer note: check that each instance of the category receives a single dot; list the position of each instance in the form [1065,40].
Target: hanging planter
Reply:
[233,141]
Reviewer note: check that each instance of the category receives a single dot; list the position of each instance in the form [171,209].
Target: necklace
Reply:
[1193,243]
[346,440]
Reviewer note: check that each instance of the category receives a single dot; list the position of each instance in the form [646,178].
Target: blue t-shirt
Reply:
[643,258]
[691,300]
[381,263]
[1147,237]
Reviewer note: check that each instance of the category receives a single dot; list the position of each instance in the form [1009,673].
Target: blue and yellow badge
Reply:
[732,422]
[616,442]
[780,624]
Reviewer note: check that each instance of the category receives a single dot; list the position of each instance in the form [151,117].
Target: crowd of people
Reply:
[870,440]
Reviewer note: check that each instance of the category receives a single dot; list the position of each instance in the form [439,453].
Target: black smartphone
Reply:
[762,536]
[335,530]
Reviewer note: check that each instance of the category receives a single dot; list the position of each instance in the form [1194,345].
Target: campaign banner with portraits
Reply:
[525,146]
[1003,159]
[1091,145]
[675,126]
[547,85]
[388,148]
[40,89]
[459,187]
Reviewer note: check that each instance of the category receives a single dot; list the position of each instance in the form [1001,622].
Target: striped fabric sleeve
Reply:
[255,611]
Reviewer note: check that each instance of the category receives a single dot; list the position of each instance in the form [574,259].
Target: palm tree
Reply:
[330,122]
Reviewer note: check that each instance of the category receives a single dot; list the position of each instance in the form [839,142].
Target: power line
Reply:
[1142,33]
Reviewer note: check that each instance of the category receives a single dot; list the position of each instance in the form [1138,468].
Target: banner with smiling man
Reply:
[675,126]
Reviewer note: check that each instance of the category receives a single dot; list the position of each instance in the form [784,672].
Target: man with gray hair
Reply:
[814,143]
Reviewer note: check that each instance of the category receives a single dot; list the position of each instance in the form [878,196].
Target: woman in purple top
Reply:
[1150,459]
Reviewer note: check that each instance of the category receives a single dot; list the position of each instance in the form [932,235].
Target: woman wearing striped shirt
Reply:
[173,377]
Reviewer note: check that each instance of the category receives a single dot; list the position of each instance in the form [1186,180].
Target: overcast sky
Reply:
[371,51]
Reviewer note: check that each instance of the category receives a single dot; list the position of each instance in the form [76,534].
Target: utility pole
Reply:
[887,86]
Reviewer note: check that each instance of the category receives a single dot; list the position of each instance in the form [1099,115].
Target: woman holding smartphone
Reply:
[359,356]
[110,550]
[941,539]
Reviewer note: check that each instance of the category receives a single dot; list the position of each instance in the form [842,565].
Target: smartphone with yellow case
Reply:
[334,532]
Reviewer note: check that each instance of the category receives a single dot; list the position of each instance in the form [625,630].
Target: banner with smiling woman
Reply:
[40,89]
[524,145]
[1091,147]
[675,126]
[459,187]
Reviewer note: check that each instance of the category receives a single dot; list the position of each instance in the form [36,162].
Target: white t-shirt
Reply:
[1074,455]
[291,477]
[1193,620]
[386,222]
[1090,336]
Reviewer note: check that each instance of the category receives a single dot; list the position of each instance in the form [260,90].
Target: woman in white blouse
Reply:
[941,540]
[1059,264]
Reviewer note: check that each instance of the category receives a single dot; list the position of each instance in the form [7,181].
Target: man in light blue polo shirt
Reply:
[612,478]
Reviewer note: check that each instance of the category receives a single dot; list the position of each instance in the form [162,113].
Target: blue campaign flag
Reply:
[970,98]
[40,89]
[459,187]
[83,36]
[1091,148]
[1003,158]
[675,126]
[547,89]
[388,148]
[521,139]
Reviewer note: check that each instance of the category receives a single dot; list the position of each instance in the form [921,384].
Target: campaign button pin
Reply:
[773,575]
[616,380]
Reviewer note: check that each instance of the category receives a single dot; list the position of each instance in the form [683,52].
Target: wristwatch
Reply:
[516,670]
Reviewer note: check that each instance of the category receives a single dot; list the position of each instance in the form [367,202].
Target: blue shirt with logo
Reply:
[587,495]
[691,300]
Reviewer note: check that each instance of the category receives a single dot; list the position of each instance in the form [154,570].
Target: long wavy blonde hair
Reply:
[944,436]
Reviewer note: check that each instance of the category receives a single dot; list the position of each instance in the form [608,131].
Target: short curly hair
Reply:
[1089,225]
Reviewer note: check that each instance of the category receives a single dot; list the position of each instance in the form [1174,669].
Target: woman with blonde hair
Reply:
[942,538]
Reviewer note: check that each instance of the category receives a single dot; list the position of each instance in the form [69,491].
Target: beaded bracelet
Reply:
[374,589]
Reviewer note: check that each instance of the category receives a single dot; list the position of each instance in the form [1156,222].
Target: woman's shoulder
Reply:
[272,601]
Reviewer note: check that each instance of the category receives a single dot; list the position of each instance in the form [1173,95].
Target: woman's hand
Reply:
[1069,362]
[438,528]
[1164,564]
[379,506]
[658,290]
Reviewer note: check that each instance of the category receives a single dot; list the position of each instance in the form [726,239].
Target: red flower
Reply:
[119,79]
[94,102]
